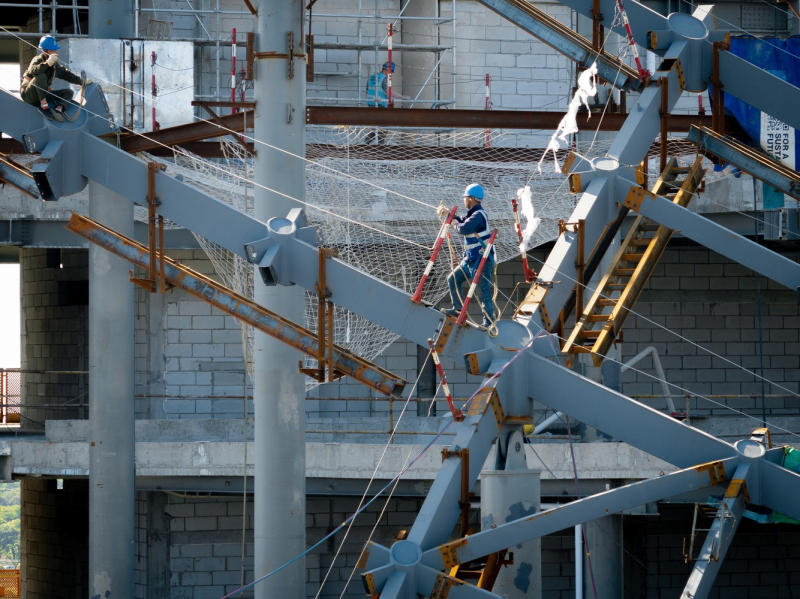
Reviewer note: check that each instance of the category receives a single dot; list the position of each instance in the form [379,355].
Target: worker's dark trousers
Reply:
[36,89]
[483,289]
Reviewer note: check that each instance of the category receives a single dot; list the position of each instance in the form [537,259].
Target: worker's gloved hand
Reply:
[52,59]
[442,210]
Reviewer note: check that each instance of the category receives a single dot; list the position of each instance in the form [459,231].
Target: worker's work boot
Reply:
[58,113]
[452,312]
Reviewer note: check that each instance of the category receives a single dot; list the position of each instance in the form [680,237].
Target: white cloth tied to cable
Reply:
[587,88]
[525,198]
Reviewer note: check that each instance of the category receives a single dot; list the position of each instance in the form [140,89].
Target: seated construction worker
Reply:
[39,76]
[475,227]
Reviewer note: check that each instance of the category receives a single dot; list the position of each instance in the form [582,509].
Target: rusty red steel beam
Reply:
[475,119]
[238,306]
[399,117]
[197,131]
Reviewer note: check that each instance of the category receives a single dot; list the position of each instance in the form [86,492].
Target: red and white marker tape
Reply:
[462,318]
[417,297]
[458,415]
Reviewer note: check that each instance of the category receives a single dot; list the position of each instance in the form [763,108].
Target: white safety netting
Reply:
[373,196]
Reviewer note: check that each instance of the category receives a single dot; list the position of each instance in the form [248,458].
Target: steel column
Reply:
[709,561]
[111,407]
[507,494]
[279,395]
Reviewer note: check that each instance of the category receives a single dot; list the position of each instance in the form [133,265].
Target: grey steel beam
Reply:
[760,88]
[774,484]
[188,206]
[352,289]
[561,38]
[597,209]
[439,513]
[619,416]
[54,234]
[519,531]
[644,122]
[721,240]
[12,174]
[748,159]
[642,19]
[243,308]
[715,547]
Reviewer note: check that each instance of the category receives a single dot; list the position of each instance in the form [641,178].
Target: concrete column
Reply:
[156,360]
[279,396]
[157,546]
[508,494]
[604,546]
[111,406]
[111,19]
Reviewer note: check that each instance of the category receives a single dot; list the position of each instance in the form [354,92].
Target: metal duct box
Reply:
[124,70]
[782,224]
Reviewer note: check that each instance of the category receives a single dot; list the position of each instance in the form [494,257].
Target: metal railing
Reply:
[10,583]
[63,394]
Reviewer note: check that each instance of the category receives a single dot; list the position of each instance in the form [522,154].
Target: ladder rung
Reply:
[652,227]
[631,257]
[606,302]
[616,285]
[597,317]
[641,241]
[680,170]
[580,349]
[624,272]
[589,334]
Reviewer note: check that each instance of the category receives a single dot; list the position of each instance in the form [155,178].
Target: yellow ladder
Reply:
[621,285]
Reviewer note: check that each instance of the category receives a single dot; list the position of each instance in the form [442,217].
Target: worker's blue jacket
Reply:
[376,90]
[475,226]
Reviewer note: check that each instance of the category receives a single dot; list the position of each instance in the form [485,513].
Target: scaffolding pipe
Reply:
[578,561]
[662,379]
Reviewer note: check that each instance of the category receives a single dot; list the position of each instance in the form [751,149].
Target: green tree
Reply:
[9,541]
[10,522]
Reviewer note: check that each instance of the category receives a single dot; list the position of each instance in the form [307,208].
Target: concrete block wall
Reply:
[54,527]
[54,332]
[700,311]
[762,561]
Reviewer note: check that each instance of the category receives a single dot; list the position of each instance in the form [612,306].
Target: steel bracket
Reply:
[156,282]
[485,399]
[716,472]
[449,555]
[441,587]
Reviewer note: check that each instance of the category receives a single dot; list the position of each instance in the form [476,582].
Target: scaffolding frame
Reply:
[366,18]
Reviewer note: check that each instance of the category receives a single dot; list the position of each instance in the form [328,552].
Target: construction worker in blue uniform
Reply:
[378,87]
[39,76]
[378,95]
[475,228]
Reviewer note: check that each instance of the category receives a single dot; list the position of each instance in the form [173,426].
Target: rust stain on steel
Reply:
[264,320]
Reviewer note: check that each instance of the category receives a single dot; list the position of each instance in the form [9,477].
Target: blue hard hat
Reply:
[48,42]
[387,64]
[474,191]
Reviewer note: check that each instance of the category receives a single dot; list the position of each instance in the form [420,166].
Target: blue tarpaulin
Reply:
[781,57]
